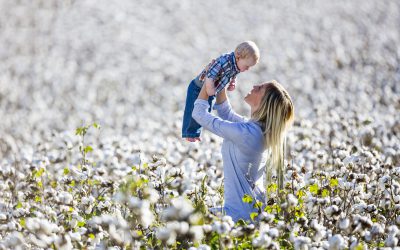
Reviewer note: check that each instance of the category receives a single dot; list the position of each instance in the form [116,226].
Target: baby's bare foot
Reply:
[193,139]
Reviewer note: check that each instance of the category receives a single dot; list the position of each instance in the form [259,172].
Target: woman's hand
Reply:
[221,97]
[203,93]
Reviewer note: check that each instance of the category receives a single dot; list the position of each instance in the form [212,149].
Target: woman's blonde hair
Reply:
[276,114]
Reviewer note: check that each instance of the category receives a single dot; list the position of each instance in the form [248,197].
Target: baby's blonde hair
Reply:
[248,49]
[276,114]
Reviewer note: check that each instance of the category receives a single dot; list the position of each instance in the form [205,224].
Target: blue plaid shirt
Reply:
[222,71]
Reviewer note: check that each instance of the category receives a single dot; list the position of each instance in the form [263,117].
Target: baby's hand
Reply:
[205,70]
[232,85]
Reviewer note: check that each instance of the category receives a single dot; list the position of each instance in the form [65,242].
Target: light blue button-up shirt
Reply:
[242,154]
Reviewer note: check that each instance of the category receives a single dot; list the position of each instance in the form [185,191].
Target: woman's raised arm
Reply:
[224,108]
[234,131]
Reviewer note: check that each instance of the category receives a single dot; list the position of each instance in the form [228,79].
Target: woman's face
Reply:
[254,97]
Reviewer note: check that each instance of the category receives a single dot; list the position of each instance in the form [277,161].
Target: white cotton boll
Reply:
[336,201]
[220,228]
[273,233]
[344,223]
[33,239]
[63,242]
[135,159]
[391,241]
[147,217]
[197,232]
[3,217]
[207,228]
[89,209]
[153,195]
[262,240]
[3,186]
[134,202]
[75,236]
[12,225]
[301,243]
[228,219]
[263,227]
[371,208]
[73,223]
[65,197]
[204,247]
[48,227]
[360,207]
[292,200]
[166,235]
[377,229]
[367,236]
[331,211]
[336,242]
[266,217]
[393,230]
[32,224]
[383,181]
[319,235]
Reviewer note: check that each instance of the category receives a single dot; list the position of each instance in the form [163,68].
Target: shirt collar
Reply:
[234,63]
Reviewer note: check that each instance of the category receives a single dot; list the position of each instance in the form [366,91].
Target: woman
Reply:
[245,141]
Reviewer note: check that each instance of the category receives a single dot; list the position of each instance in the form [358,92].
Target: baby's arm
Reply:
[210,89]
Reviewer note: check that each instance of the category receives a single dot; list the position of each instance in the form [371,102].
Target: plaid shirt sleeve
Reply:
[214,70]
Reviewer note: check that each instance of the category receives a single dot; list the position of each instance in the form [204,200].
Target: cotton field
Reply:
[91,103]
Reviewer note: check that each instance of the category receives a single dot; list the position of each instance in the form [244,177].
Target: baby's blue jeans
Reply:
[190,128]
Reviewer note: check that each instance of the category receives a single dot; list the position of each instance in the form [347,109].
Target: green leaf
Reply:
[88,149]
[253,215]
[268,209]
[247,199]
[325,193]
[272,187]
[95,125]
[22,222]
[66,171]
[333,182]
[40,184]
[19,204]
[258,204]
[359,246]
[38,199]
[300,193]
[39,172]
[299,213]
[79,131]
[314,188]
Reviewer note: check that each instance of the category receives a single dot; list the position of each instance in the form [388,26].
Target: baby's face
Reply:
[245,63]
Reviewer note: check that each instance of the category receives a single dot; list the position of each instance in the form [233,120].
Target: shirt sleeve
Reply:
[214,70]
[234,131]
[226,112]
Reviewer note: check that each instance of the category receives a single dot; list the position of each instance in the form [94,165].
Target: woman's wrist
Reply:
[203,93]
[221,97]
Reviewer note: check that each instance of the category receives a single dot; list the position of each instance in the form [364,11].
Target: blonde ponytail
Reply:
[275,113]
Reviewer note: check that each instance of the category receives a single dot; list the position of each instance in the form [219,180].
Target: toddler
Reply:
[220,73]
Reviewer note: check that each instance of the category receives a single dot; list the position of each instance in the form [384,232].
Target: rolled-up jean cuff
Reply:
[197,82]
